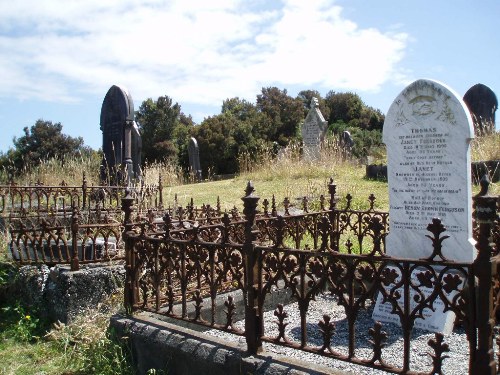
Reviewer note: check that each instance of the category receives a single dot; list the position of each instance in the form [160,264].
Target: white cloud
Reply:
[194,51]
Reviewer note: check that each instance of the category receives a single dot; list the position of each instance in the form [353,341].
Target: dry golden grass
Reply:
[290,176]
[486,147]
[52,172]
[170,174]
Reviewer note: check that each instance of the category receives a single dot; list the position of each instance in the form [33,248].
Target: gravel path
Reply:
[456,363]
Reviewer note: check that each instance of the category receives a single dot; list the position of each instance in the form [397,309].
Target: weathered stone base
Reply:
[61,294]
[178,350]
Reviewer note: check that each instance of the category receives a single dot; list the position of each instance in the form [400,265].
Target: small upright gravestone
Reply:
[482,103]
[121,141]
[194,158]
[346,143]
[313,131]
[427,132]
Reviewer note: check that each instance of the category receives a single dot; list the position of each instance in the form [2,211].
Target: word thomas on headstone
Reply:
[427,132]
[121,140]
[313,131]
[194,158]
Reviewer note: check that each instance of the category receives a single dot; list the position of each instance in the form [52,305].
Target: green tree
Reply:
[343,107]
[285,114]
[306,96]
[240,108]
[218,148]
[159,122]
[42,141]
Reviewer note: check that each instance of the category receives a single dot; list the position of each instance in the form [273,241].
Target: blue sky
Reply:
[58,58]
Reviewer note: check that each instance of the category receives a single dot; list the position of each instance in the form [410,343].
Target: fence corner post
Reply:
[253,322]
[485,270]
[128,208]
[75,261]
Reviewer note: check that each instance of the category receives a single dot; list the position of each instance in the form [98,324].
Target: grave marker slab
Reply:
[427,132]
[194,158]
[482,103]
[121,140]
[313,131]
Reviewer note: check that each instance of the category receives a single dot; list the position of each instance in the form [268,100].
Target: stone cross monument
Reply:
[313,131]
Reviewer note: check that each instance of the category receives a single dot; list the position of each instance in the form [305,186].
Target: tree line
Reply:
[271,123]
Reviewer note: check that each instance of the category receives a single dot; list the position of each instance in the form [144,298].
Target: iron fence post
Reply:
[84,191]
[332,190]
[130,291]
[75,262]
[253,320]
[160,190]
[483,361]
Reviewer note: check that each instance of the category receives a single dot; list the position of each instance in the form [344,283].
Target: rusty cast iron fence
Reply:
[39,200]
[181,267]
[52,240]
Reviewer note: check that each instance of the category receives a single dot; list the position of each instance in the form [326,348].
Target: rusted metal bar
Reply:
[131,290]
[484,362]
[253,321]
[75,265]
[84,191]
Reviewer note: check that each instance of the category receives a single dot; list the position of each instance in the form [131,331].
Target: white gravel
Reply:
[456,363]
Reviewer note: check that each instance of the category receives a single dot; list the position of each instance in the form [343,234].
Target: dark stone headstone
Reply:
[194,158]
[482,103]
[121,141]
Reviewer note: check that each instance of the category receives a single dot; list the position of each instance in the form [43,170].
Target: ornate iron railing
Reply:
[40,200]
[180,267]
[52,240]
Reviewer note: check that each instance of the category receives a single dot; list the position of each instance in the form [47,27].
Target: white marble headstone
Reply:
[313,131]
[427,132]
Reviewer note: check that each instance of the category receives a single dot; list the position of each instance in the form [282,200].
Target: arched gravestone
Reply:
[427,132]
[194,158]
[121,141]
[482,103]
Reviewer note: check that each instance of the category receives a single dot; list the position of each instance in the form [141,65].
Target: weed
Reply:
[20,324]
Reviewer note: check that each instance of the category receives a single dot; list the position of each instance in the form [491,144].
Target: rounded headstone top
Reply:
[117,106]
[427,101]
[480,92]
[193,142]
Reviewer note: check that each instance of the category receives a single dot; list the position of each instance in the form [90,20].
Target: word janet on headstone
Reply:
[121,140]
[482,103]
[194,158]
[427,132]
[313,131]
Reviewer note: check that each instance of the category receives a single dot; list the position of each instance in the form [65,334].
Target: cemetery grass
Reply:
[294,183]
[29,345]
[84,347]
